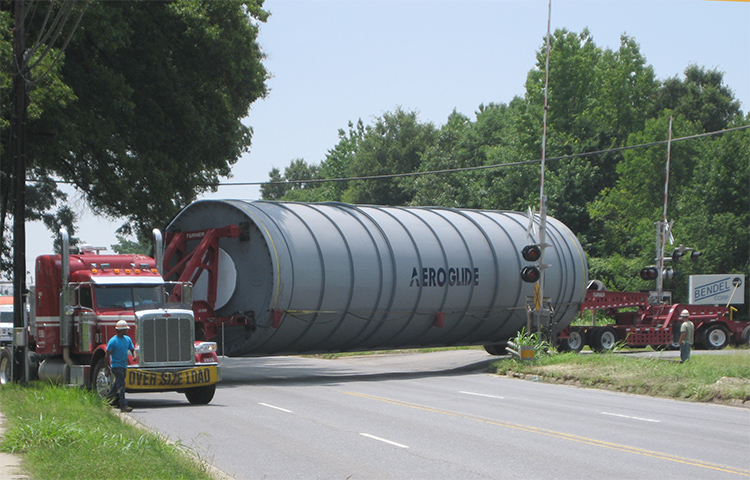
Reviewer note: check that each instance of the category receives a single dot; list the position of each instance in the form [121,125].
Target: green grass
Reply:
[705,378]
[69,433]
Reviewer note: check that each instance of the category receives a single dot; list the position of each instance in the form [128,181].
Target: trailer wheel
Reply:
[574,343]
[603,339]
[745,338]
[200,395]
[496,349]
[715,337]
[102,379]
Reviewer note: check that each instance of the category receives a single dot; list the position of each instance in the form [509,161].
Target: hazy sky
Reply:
[335,61]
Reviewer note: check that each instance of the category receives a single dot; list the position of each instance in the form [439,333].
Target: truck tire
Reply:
[6,362]
[102,379]
[572,344]
[32,360]
[603,339]
[715,337]
[200,395]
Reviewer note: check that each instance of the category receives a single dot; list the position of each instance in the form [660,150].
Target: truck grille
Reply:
[166,340]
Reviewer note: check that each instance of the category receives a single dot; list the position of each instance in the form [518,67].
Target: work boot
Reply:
[126,409]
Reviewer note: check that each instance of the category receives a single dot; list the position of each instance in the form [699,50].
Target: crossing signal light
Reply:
[695,254]
[649,273]
[531,253]
[530,274]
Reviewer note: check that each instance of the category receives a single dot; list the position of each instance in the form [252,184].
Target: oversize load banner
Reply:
[717,289]
[172,379]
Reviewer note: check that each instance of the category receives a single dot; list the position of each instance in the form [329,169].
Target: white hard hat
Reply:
[685,313]
[122,325]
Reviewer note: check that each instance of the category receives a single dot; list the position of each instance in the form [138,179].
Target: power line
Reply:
[462,169]
[481,167]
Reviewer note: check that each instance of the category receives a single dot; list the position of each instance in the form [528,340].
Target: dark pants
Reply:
[685,351]
[119,387]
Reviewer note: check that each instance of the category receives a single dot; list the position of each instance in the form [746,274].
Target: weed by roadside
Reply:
[69,433]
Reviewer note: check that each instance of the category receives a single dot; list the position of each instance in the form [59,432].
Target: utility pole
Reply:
[541,310]
[21,98]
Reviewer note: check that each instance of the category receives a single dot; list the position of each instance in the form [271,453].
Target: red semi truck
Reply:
[74,307]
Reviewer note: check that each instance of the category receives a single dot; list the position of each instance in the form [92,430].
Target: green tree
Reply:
[295,190]
[156,94]
[701,97]
[394,144]
[597,97]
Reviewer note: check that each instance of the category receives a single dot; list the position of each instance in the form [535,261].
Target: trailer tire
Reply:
[603,339]
[574,343]
[496,348]
[102,379]
[745,338]
[200,395]
[715,337]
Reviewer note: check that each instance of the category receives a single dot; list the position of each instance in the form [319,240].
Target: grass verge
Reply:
[69,433]
[705,378]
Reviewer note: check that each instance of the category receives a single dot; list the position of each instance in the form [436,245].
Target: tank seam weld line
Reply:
[561,435]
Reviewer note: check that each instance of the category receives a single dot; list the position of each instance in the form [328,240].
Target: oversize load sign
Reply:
[146,379]
[717,289]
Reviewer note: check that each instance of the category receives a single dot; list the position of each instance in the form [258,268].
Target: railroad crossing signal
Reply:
[531,273]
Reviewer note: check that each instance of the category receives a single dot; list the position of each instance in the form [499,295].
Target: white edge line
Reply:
[632,418]
[277,408]
[384,440]
[481,395]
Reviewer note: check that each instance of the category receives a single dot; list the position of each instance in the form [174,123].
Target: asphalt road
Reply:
[440,416]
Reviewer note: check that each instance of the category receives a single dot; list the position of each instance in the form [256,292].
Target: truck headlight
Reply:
[205,347]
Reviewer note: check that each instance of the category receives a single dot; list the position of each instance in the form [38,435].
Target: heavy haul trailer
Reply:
[639,323]
[75,305]
[288,278]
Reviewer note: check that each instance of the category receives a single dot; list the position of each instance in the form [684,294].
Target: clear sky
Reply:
[335,61]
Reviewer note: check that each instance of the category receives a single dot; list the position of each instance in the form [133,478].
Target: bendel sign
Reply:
[717,289]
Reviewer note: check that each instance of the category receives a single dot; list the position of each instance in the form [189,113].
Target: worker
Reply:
[687,336]
[117,356]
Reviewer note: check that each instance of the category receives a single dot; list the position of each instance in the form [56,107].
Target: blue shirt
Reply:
[118,350]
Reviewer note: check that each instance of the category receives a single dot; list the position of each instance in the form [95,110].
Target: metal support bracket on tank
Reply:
[189,265]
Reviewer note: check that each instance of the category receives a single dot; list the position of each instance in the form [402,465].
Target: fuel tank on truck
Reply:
[332,277]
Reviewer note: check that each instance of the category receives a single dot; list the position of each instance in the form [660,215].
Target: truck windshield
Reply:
[127,297]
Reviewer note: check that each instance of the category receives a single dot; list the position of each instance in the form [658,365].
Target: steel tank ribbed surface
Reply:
[353,277]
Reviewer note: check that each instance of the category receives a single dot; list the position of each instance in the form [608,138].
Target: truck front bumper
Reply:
[165,379]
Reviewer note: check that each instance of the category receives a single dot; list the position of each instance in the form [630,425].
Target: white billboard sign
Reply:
[717,289]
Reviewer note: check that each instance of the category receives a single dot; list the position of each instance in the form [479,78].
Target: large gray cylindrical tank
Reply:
[348,278]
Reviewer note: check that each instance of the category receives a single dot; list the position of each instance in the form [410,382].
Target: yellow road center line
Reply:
[563,436]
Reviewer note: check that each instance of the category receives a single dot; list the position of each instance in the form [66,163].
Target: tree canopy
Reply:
[144,112]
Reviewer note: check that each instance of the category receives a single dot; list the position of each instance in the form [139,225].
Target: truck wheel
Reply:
[200,395]
[572,344]
[6,362]
[32,360]
[496,349]
[603,339]
[102,381]
[715,337]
